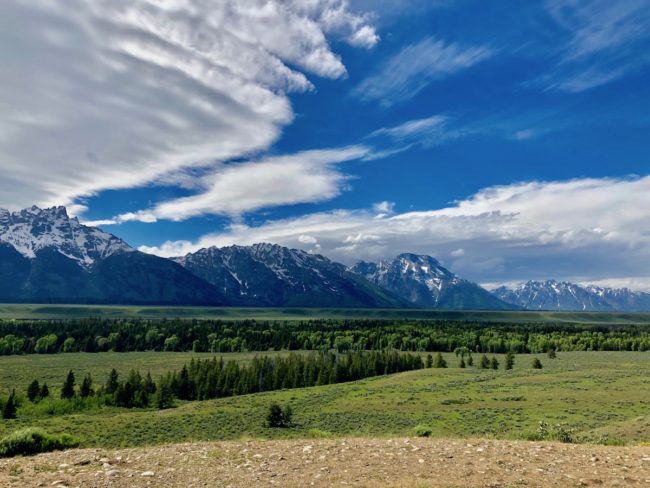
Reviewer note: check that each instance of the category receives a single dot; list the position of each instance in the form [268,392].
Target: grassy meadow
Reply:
[54,311]
[601,397]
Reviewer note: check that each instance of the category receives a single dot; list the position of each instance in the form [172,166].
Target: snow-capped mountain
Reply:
[561,295]
[33,229]
[45,256]
[272,275]
[424,282]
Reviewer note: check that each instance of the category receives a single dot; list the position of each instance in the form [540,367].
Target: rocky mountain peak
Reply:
[33,229]
[423,281]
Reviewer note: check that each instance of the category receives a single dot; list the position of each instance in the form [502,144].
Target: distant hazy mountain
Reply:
[45,256]
[272,275]
[554,295]
[422,281]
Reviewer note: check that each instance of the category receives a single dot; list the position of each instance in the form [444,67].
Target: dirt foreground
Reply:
[341,462]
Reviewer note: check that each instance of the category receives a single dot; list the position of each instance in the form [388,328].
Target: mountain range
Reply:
[425,283]
[561,295]
[271,275]
[48,257]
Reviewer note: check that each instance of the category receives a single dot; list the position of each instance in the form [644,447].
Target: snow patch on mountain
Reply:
[423,281]
[566,296]
[33,229]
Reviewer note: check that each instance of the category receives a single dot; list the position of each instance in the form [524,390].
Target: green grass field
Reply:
[601,396]
[46,311]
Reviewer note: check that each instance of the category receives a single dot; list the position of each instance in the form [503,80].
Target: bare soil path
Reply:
[338,462]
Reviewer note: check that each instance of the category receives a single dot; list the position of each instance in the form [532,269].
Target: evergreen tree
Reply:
[45,391]
[148,385]
[552,354]
[494,363]
[461,364]
[112,382]
[429,362]
[485,362]
[67,391]
[164,394]
[537,364]
[86,388]
[9,410]
[184,385]
[470,360]
[510,360]
[33,390]
[439,362]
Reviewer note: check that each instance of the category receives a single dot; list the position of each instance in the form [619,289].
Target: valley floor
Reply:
[399,462]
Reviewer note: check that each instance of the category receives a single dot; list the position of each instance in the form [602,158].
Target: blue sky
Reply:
[508,139]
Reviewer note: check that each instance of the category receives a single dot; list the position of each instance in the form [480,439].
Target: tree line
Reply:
[121,335]
[216,378]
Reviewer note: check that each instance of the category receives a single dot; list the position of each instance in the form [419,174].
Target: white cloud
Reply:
[525,134]
[304,239]
[383,208]
[425,132]
[607,40]
[412,128]
[585,229]
[122,93]
[408,72]
[234,189]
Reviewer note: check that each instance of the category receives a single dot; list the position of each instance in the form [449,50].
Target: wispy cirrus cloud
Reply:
[122,93]
[607,41]
[405,74]
[411,128]
[583,229]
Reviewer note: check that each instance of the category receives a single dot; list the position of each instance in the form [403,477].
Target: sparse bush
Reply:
[278,416]
[319,434]
[422,431]
[551,354]
[546,432]
[32,441]
[537,364]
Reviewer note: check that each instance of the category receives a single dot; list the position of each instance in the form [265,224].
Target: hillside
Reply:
[399,462]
